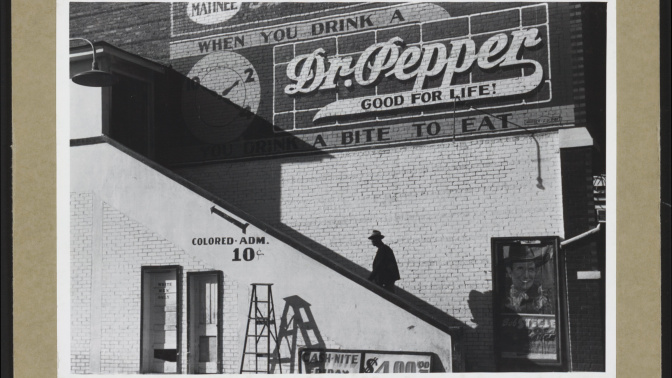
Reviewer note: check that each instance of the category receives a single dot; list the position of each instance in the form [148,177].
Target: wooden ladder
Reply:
[260,318]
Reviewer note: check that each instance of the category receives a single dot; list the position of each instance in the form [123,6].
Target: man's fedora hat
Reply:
[376,235]
[522,253]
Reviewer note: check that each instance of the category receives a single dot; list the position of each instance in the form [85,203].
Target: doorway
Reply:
[204,317]
[161,309]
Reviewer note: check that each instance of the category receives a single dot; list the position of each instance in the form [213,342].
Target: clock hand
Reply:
[227,90]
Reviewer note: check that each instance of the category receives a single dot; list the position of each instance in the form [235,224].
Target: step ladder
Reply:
[261,334]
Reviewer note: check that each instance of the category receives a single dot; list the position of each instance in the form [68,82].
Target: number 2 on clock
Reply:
[249,73]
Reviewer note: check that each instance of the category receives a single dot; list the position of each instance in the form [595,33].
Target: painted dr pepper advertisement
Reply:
[394,74]
[528,308]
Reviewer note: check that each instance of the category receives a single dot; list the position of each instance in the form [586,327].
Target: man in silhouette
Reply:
[385,270]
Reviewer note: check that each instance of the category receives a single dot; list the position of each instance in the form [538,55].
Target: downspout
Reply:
[581,236]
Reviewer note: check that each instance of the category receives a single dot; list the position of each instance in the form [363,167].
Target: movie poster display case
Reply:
[529,304]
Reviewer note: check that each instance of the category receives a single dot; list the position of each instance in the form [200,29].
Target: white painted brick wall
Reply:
[438,204]
[80,280]
[127,246]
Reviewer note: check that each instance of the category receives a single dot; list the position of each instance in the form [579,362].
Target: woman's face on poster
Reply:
[522,274]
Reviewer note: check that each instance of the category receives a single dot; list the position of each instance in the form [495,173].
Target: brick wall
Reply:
[438,204]
[585,297]
[145,28]
[127,246]
[80,280]
[139,28]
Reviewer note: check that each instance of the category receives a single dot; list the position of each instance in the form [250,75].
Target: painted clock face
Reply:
[222,97]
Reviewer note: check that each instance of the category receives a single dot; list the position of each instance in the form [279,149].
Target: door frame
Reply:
[178,272]
[220,318]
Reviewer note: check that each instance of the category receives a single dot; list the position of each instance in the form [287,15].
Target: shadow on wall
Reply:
[297,321]
[480,305]
[402,298]
[518,339]
[299,330]
[196,130]
[197,125]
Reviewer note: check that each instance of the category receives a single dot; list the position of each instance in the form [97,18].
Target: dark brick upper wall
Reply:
[139,28]
[145,28]
[148,29]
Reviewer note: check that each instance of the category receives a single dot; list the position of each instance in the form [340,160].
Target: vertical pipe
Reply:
[454,106]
